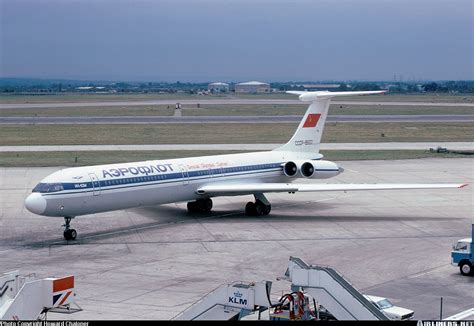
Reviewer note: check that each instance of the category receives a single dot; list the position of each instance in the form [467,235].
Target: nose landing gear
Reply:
[69,234]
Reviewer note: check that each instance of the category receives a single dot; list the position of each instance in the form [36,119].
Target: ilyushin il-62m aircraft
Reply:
[79,191]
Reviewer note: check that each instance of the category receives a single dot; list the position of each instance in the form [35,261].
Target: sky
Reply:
[237,40]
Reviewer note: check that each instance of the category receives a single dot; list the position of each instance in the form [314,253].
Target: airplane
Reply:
[85,190]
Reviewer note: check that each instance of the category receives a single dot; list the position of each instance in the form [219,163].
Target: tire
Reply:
[67,234]
[465,268]
[200,206]
[70,234]
[262,209]
[192,207]
[259,208]
[267,209]
[250,209]
[206,205]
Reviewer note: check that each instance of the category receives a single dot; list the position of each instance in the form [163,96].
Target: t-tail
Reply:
[307,137]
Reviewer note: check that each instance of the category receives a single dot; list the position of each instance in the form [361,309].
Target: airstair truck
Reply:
[463,255]
[28,298]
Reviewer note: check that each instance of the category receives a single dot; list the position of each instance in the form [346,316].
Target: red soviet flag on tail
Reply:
[312,120]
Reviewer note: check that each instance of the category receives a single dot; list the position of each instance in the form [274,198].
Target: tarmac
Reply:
[153,262]
[232,119]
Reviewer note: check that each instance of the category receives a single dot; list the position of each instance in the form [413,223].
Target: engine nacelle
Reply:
[313,169]
[307,169]
[290,169]
[320,169]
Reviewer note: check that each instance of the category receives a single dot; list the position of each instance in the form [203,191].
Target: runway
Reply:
[460,146]
[230,119]
[194,102]
[153,262]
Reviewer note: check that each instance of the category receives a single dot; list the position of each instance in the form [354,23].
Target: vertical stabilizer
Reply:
[307,137]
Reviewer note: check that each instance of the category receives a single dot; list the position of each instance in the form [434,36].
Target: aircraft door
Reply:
[185,174]
[95,184]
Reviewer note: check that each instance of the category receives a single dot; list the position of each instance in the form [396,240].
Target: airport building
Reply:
[252,87]
[218,87]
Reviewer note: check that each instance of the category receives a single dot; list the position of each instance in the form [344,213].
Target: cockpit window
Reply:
[48,187]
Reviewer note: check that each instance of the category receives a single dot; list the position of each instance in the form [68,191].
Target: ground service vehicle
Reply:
[391,311]
[462,254]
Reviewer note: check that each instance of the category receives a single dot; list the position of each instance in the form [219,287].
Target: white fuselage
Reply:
[100,188]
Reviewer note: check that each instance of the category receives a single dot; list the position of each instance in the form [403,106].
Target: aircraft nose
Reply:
[340,168]
[35,203]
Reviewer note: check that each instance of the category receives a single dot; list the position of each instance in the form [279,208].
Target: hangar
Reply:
[252,87]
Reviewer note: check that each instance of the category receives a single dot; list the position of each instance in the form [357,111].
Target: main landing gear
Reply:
[69,234]
[200,206]
[261,206]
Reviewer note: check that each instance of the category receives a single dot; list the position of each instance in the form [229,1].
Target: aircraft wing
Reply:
[252,188]
[324,95]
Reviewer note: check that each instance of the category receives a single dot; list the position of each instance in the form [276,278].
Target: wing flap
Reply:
[252,188]
[246,188]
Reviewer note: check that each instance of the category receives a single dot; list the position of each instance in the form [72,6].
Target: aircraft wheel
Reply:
[206,205]
[267,209]
[200,206]
[262,209]
[193,207]
[259,208]
[250,209]
[70,234]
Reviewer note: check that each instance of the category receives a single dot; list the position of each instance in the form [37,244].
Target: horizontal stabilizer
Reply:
[321,95]
[252,188]
[307,137]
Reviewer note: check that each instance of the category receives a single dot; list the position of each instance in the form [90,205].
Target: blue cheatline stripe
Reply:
[166,178]
[142,184]
[131,182]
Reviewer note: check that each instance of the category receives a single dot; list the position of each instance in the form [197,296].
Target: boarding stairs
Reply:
[28,298]
[229,302]
[332,291]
